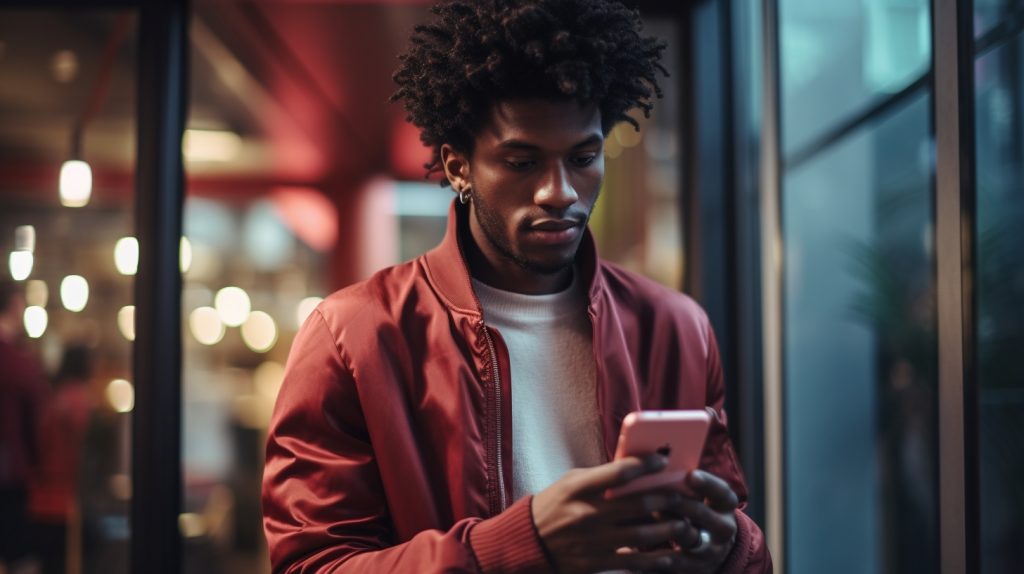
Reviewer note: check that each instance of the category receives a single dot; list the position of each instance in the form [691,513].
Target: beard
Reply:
[493,227]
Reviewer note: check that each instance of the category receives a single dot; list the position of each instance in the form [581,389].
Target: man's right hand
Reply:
[583,531]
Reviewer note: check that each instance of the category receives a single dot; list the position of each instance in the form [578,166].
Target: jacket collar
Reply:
[447,268]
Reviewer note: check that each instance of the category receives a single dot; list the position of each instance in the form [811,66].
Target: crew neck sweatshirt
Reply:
[555,423]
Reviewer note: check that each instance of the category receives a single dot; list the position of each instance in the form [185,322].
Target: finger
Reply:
[721,526]
[718,493]
[646,535]
[617,473]
[653,560]
[638,506]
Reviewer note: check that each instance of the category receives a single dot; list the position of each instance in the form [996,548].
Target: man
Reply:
[458,412]
[22,386]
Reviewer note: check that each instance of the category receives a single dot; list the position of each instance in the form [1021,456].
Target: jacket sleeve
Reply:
[324,509]
[750,551]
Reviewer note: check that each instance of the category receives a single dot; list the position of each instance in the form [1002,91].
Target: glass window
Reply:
[1000,272]
[990,13]
[67,152]
[836,58]
[860,352]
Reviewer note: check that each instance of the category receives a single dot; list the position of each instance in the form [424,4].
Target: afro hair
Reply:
[477,52]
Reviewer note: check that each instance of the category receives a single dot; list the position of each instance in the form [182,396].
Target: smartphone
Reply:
[677,435]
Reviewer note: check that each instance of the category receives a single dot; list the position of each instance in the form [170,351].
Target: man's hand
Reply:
[582,531]
[712,508]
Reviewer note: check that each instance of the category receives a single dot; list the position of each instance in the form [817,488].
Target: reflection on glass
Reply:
[990,13]
[1000,291]
[838,58]
[67,139]
[860,352]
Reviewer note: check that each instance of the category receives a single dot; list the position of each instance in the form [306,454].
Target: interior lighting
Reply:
[126,321]
[75,183]
[36,293]
[21,263]
[306,306]
[126,255]
[206,326]
[25,238]
[186,254]
[36,320]
[233,305]
[74,292]
[121,395]
[259,332]
[268,378]
[210,145]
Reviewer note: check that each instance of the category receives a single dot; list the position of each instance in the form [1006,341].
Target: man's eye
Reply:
[519,164]
[584,160]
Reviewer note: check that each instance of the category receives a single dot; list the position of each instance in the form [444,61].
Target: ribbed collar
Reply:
[448,271]
[508,307]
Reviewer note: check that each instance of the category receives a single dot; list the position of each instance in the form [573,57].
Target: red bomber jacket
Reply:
[390,447]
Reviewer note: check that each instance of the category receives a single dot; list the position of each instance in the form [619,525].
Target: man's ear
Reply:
[456,167]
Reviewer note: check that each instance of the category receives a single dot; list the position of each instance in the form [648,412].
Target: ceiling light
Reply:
[75,183]
[74,292]
[126,255]
[36,320]
[210,145]
[20,263]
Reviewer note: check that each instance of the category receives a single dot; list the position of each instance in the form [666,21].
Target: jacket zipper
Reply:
[497,402]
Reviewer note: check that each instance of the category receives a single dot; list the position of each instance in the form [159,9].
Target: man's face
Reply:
[535,173]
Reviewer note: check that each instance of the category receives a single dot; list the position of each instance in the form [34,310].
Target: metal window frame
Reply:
[953,65]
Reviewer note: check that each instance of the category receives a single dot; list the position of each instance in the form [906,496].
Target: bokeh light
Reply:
[74,292]
[206,326]
[259,332]
[126,255]
[121,395]
[233,305]
[126,321]
[36,321]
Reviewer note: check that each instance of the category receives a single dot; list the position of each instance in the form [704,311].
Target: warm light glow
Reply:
[306,306]
[191,525]
[74,292]
[186,254]
[206,325]
[75,183]
[259,332]
[25,238]
[36,320]
[37,293]
[268,378]
[121,395]
[627,135]
[21,263]
[233,305]
[210,145]
[126,255]
[126,321]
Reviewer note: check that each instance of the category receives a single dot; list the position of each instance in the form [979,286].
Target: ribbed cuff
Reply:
[737,560]
[509,542]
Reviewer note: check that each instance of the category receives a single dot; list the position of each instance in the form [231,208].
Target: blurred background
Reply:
[300,178]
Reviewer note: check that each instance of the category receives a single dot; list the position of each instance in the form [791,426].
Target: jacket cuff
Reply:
[737,560]
[509,542]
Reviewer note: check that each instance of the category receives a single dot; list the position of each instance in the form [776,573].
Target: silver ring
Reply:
[703,544]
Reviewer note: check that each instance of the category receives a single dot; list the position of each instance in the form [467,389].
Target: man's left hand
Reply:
[711,508]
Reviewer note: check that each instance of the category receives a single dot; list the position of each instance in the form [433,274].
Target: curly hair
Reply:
[477,52]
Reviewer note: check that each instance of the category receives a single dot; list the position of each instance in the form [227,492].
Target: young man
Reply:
[458,412]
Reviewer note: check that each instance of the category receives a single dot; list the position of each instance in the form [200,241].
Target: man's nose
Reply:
[556,191]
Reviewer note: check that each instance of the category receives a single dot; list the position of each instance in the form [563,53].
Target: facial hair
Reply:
[493,226]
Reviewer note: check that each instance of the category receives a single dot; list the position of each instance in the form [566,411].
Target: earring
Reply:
[465,194]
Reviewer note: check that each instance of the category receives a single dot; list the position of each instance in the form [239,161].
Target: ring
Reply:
[703,544]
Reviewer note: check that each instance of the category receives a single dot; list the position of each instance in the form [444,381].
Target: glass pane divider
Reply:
[954,241]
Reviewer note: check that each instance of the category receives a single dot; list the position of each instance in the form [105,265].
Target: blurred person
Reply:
[53,501]
[458,412]
[22,387]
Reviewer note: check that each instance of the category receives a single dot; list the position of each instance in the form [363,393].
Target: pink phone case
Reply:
[679,435]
